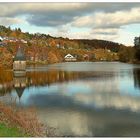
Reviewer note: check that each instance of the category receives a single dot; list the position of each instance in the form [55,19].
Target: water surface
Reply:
[80,99]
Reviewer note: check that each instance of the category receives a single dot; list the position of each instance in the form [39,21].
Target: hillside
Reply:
[44,49]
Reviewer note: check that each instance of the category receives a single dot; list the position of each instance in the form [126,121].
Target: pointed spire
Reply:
[20,91]
[20,55]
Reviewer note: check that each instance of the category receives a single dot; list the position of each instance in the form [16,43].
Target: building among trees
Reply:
[70,57]
[19,61]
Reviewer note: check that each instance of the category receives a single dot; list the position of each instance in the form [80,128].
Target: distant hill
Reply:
[79,43]
[104,44]
[44,48]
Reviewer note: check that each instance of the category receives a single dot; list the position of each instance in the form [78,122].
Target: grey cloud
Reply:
[104,20]
[50,19]
[30,8]
[62,17]
[105,31]
[106,26]
[54,14]
[9,21]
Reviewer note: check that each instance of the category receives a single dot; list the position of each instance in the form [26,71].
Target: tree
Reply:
[126,54]
[137,54]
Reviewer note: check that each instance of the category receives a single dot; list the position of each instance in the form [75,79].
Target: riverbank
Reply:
[19,123]
[42,63]
[9,131]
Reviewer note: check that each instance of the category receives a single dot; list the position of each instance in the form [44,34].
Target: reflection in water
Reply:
[136,78]
[80,99]
[6,82]
[19,84]
[91,122]
[47,78]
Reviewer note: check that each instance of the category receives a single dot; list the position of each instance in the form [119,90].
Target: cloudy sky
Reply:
[119,22]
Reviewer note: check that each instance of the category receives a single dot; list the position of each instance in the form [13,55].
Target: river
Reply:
[79,98]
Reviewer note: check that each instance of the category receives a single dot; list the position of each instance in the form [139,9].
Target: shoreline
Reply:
[43,64]
[24,121]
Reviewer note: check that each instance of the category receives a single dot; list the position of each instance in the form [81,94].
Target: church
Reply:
[19,63]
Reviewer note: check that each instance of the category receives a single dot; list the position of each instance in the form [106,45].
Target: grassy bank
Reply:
[7,131]
[19,123]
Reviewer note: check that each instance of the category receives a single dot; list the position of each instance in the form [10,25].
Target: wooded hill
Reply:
[43,48]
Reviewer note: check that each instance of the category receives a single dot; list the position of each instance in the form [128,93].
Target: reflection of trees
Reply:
[49,77]
[54,76]
[136,74]
[41,78]
[5,76]
[6,82]
[5,89]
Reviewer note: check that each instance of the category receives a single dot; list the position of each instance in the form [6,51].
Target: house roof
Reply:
[69,56]
[20,55]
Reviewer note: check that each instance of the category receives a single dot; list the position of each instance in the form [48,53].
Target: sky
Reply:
[118,22]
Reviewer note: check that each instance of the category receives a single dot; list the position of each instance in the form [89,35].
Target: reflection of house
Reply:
[19,61]
[69,57]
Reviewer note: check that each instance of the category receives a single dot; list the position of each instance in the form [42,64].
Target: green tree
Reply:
[126,54]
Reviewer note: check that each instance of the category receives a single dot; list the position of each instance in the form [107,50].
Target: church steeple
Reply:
[19,61]
[20,55]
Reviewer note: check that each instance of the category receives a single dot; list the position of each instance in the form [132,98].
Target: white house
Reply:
[69,57]
[1,39]
[23,41]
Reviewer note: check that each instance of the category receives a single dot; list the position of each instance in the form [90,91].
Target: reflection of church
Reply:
[19,67]
[19,84]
